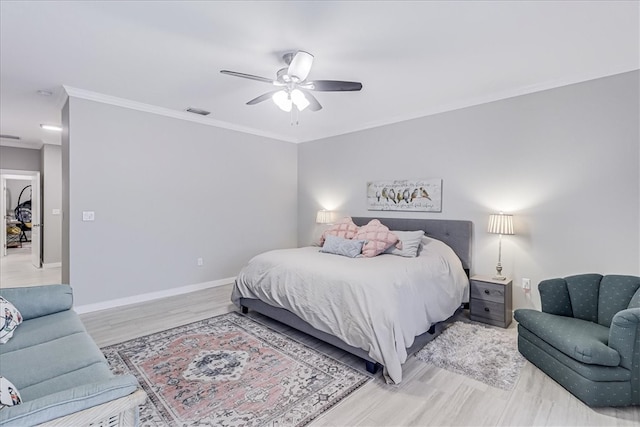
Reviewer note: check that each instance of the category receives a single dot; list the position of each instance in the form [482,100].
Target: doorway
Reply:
[17,222]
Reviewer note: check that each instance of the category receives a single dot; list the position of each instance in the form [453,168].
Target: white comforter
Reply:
[378,304]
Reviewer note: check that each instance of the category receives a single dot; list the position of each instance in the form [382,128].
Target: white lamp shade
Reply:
[500,224]
[282,100]
[299,99]
[323,217]
[300,65]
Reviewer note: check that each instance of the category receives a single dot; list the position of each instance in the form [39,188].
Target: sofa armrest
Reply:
[554,296]
[67,402]
[38,301]
[624,336]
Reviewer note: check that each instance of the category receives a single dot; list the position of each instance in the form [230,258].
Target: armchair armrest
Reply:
[624,336]
[554,296]
[37,301]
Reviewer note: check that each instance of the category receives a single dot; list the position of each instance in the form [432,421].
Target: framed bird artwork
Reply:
[418,195]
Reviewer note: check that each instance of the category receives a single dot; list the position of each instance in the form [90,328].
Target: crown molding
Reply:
[473,102]
[167,112]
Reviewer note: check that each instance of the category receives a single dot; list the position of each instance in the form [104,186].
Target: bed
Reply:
[381,309]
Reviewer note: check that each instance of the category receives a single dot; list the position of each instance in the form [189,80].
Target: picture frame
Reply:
[417,195]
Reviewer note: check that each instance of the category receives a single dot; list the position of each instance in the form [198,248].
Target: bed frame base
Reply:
[292,320]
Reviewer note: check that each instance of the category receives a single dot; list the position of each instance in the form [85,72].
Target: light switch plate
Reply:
[55,211]
[88,215]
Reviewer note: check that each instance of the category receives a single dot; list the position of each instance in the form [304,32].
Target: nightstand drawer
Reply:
[487,309]
[487,291]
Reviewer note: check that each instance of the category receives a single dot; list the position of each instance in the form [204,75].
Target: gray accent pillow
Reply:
[341,246]
[410,243]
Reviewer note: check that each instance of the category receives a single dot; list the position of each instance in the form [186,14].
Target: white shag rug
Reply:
[489,355]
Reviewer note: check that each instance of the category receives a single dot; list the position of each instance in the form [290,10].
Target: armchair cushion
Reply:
[615,292]
[554,296]
[583,290]
[584,341]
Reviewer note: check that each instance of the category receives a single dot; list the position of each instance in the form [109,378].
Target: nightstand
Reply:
[490,300]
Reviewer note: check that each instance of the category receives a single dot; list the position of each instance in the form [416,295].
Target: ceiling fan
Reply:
[292,84]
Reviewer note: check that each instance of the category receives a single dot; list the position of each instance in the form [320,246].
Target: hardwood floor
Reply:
[428,396]
[16,270]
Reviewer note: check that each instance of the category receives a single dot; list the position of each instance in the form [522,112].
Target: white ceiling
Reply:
[413,58]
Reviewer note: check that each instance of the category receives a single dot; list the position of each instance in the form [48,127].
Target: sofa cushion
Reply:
[583,291]
[50,359]
[581,340]
[615,294]
[89,374]
[42,329]
[36,301]
[65,402]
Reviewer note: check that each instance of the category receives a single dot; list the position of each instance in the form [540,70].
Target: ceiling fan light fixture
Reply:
[299,99]
[300,65]
[282,99]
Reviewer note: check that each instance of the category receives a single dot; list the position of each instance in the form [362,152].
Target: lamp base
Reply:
[499,278]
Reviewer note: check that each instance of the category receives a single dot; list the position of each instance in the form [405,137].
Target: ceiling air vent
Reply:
[10,137]
[198,111]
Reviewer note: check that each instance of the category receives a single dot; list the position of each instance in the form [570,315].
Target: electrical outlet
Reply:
[200,262]
[526,283]
[88,215]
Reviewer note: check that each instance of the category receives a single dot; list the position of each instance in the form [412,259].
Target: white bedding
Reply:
[378,304]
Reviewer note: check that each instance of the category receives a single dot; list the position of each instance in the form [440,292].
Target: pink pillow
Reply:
[345,229]
[378,238]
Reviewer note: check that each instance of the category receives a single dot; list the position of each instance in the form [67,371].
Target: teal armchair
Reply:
[587,336]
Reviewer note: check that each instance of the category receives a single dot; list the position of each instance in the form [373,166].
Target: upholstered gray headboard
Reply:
[455,233]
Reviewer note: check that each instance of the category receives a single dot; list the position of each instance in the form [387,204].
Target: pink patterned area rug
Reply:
[230,370]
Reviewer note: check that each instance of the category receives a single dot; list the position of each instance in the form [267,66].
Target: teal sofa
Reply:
[58,369]
[587,336]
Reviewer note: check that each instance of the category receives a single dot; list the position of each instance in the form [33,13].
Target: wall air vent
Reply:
[16,138]
[198,111]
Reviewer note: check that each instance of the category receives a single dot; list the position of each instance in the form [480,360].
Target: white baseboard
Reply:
[88,308]
[52,265]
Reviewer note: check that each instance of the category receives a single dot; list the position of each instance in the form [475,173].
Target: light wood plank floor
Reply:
[428,396]
[16,270]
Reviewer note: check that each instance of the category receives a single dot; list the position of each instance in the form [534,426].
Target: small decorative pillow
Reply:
[378,238]
[9,395]
[410,243]
[345,229]
[340,246]
[10,318]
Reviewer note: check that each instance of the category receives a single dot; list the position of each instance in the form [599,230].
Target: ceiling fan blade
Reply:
[332,86]
[262,98]
[300,65]
[314,105]
[247,76]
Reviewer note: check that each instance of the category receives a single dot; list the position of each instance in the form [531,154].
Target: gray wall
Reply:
[23,159]
[166,192]
[564,161]
[51,199]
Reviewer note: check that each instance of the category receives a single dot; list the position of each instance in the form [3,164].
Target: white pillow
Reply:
[10,318]
[341,246]
[9,394]
[410,243]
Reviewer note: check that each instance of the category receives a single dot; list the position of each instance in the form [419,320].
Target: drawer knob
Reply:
[486,291]
[486,309]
